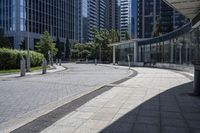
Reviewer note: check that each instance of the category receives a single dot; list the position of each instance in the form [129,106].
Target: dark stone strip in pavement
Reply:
[125,79]
[48,119]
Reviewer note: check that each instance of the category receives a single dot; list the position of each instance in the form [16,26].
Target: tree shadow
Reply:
[173,111]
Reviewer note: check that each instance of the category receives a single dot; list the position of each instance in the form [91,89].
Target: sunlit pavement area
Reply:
[155,101]
[21,98]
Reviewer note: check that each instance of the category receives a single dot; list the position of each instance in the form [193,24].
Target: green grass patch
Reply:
[18,70]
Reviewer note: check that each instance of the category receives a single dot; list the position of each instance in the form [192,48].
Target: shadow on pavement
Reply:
[172,111]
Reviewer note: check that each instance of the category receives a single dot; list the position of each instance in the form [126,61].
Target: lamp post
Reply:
[100,53]
[129,61]
[28,64]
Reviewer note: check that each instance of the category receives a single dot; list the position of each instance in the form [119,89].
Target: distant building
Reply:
[113,14]
[151,12]
[126,18]
[170,18]
[21,18]
[96,16]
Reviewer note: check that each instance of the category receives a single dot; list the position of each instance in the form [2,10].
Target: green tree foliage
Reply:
[127,36]
[114,36]
[46,44]
[4,42]
[103,38]
[59,47]
[67,49]
[23,45]
[91,50]
[157,31]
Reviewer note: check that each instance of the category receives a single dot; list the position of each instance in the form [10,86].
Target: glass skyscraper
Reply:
[126,18]
[113,14]
[152,12]
[96,16]
[18,17]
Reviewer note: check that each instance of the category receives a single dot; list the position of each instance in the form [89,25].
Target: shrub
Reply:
[10,59]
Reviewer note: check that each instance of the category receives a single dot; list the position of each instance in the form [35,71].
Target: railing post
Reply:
[114,54]
[44,67]
[22,68]
[86,60]
[60,62]
[95,61]
[135,52]
[56,61]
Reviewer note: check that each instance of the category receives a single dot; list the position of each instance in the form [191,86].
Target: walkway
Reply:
[155,101]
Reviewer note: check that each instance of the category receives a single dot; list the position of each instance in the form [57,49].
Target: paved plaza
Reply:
[20,96]
[155,101]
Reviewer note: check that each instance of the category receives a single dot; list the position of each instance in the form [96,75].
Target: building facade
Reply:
[23,19]
[96,17]
[152,13]
[126,18]
[113,14]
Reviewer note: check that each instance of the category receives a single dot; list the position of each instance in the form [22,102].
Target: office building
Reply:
[126,18]
[152,12]
[96,17]
[22,19]
[113,14]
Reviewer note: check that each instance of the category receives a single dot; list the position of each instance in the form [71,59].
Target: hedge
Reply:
[10,59]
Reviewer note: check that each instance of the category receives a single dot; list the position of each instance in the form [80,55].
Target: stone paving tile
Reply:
[174,130]
[148,113]
[172,115]
[119,127]
[71,122]
[148,120]
[194,124]
[145,128]
[192,116]
[82,115]
[88,109]
[60,129]
[170,109]
[103,116]
[174,122]
[95,124]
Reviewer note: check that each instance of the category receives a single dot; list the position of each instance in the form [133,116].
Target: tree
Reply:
[127,37]
[46,44]
[23,45]
[4,42]
[157,31]
[85,54]
[114,36]
[67,49]
[102,38]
